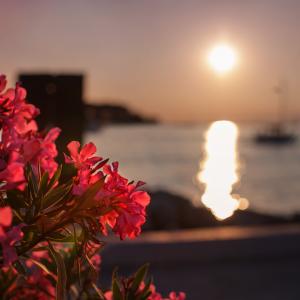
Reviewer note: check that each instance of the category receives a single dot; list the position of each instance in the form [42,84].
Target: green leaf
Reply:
[139,277]
[145,293]
[56,195]
[42,190]
[117,295]
[43,184]
[71,259]
[30,232]
[59,237]
[92,268]
[16,199]
[98,291]
[68,171]
[32,181]
[42,266]
[55,177]
[9,279]
[19,267]
[40,248]
[18,216]
[61,274]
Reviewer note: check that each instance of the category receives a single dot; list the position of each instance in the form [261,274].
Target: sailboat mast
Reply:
[282,90]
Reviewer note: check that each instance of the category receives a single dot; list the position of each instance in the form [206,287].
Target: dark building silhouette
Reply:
[60,99]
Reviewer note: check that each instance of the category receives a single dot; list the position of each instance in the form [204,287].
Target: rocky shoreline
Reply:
[169,211]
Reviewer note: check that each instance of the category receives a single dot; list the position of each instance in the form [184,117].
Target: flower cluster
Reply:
[9,236]
[135,285]
[153,294]
[122,204]
[21,143]
[52,216]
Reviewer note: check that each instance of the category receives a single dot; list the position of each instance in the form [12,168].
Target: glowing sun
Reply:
[222,58]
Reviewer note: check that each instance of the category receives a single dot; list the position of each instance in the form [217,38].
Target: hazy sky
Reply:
[152,54]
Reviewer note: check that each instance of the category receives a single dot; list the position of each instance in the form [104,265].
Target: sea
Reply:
[190,159]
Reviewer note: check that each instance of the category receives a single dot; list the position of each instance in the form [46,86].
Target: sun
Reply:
[222,58]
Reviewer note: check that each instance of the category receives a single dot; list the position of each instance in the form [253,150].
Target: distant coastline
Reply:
[98,115]
[169,211]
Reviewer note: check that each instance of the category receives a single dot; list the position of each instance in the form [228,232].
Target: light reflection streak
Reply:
[219,171]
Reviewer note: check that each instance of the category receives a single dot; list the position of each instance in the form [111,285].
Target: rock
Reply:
[168,211]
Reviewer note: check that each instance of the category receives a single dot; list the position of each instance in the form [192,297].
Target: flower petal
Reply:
[87,151]
[5,216]
[73,148]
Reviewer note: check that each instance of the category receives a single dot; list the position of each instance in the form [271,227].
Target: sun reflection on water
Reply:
[219,171]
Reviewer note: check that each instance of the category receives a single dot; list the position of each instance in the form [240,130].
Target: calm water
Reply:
[172,158]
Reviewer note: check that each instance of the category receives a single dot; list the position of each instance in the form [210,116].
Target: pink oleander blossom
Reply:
[20,142]
[8,236]
[38,284]
[122,204]
[42,151]
[12,176]
[86,164]
[83,158]
[114,183]
[108,220]
[16,117]
[6,217]
[132,214]
[83,180]
[174,296]
[153,296]
[96,261]
[62,220]
[108,295]
[129,203]
[36,287]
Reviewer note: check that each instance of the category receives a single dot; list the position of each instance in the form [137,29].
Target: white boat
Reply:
[278,134]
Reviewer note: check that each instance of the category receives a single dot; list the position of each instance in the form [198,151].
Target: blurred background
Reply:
[199,99]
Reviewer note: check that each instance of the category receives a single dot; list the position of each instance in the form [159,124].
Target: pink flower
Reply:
[13,176]
[83,158]
[118,204]
[42,150]
[83,180]
[125,205]
[40,254]
[41,285]
[173,296]
[114,183]
[16,115]
[6,216]
[37,286]
[32,149]
[108,219]
[126,212]
[154,294]
[87,165]
[8,236]
[132,214]
[96,261]
[108,295]
[20,142]
[7,241]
